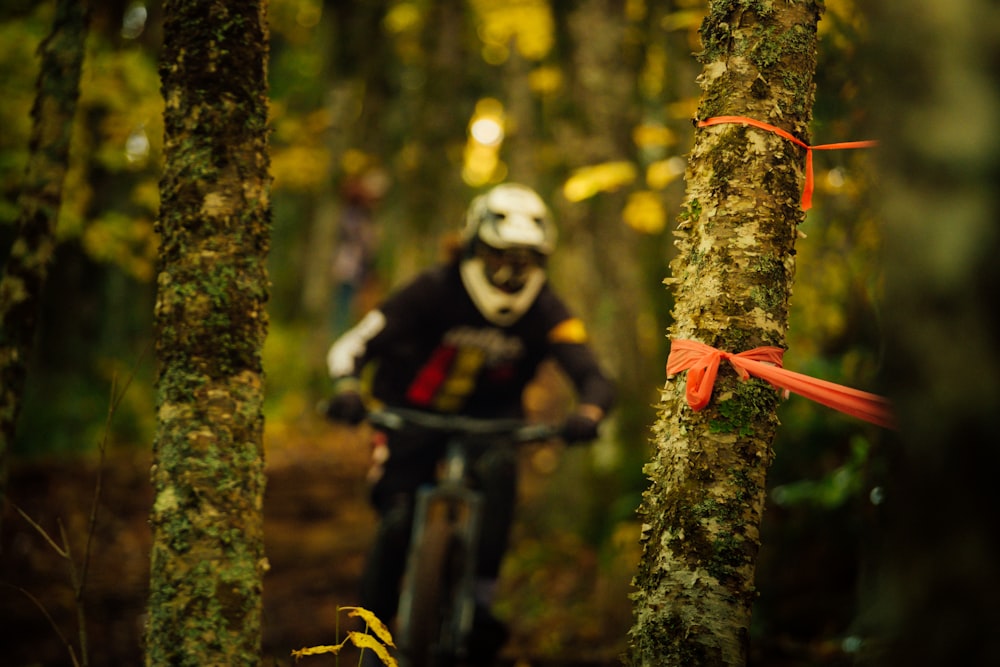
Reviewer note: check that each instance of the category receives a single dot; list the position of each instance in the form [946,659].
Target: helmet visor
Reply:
[508,269]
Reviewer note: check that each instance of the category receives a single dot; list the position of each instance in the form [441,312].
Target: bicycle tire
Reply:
[432,590]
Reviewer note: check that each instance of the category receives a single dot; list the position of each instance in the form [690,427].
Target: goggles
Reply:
[508,269]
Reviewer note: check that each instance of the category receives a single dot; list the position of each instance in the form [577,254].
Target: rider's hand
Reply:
[347,407]
[579,428]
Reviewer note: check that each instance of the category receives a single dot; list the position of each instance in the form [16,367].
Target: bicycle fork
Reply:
[460,509]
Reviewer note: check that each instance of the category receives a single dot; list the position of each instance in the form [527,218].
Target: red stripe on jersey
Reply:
[427,382]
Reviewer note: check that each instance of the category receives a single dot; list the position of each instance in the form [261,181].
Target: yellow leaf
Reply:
[644,213]
[300,167]
[662,173]
[363,641]
[605,177]
[546,80]
[374,623]
[683,20]
[403,17]
[650,134]
[528,23]
[569,331]
[316,650]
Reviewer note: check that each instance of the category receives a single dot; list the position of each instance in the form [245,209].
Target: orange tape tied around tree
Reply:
[702,361]
[807,191]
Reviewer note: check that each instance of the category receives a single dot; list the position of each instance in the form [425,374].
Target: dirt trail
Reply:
[318,527]
[317,530]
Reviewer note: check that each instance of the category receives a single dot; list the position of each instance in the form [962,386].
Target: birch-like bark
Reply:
[210,323]
[732,279]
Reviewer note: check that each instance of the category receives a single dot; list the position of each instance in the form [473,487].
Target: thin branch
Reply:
[74,577]
[114,403]
[48,617]
[41,531]
[78,577]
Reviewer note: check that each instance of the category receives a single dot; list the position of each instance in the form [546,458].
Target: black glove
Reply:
[346,407]
[579,428]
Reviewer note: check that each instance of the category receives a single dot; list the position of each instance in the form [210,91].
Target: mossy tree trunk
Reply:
[210,324]
[26,269]
[732,276]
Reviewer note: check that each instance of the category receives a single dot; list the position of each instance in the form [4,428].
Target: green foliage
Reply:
[293,380]
[79,397]
[837,487]
[123,241]
[99,282]
[18,71]
[117,141]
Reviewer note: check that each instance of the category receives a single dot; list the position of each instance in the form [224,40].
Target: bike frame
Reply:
[461,505]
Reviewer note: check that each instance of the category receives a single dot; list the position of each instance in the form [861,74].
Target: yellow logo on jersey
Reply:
[569,331]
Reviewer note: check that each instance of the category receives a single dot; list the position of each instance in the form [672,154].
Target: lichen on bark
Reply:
[208,475]
[732,280]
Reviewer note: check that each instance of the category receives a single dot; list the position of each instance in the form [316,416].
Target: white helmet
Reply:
[508,216]
[508,235]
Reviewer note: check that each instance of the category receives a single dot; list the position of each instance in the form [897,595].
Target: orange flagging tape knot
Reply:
[702,364]
[807,191]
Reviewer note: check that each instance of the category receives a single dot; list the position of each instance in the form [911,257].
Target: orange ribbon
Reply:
[807,191]
[702,364]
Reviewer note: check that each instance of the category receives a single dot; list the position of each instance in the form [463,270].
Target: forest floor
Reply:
[318,527]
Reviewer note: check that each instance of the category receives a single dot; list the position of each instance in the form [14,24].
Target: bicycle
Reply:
[436,603]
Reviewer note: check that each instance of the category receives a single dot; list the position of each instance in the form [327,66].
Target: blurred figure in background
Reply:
[353,263]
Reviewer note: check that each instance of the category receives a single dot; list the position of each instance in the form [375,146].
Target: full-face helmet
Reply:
[508,235]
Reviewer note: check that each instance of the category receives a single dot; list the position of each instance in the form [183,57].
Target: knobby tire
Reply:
[435,578]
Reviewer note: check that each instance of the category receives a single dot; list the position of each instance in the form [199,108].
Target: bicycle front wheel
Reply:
[433,580]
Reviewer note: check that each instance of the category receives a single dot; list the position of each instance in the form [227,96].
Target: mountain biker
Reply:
[465,338]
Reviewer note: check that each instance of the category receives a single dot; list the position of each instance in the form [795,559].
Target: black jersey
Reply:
[432,349]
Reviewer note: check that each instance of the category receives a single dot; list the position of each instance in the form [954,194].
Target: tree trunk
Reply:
[210,324]
[440,114]
[25,271]
[601,115]
[732,277]
[937,108]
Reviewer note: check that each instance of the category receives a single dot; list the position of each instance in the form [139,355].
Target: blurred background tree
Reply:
[940,206]
[26,268]
[417,105]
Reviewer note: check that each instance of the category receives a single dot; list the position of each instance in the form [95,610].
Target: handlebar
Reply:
[515,430]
